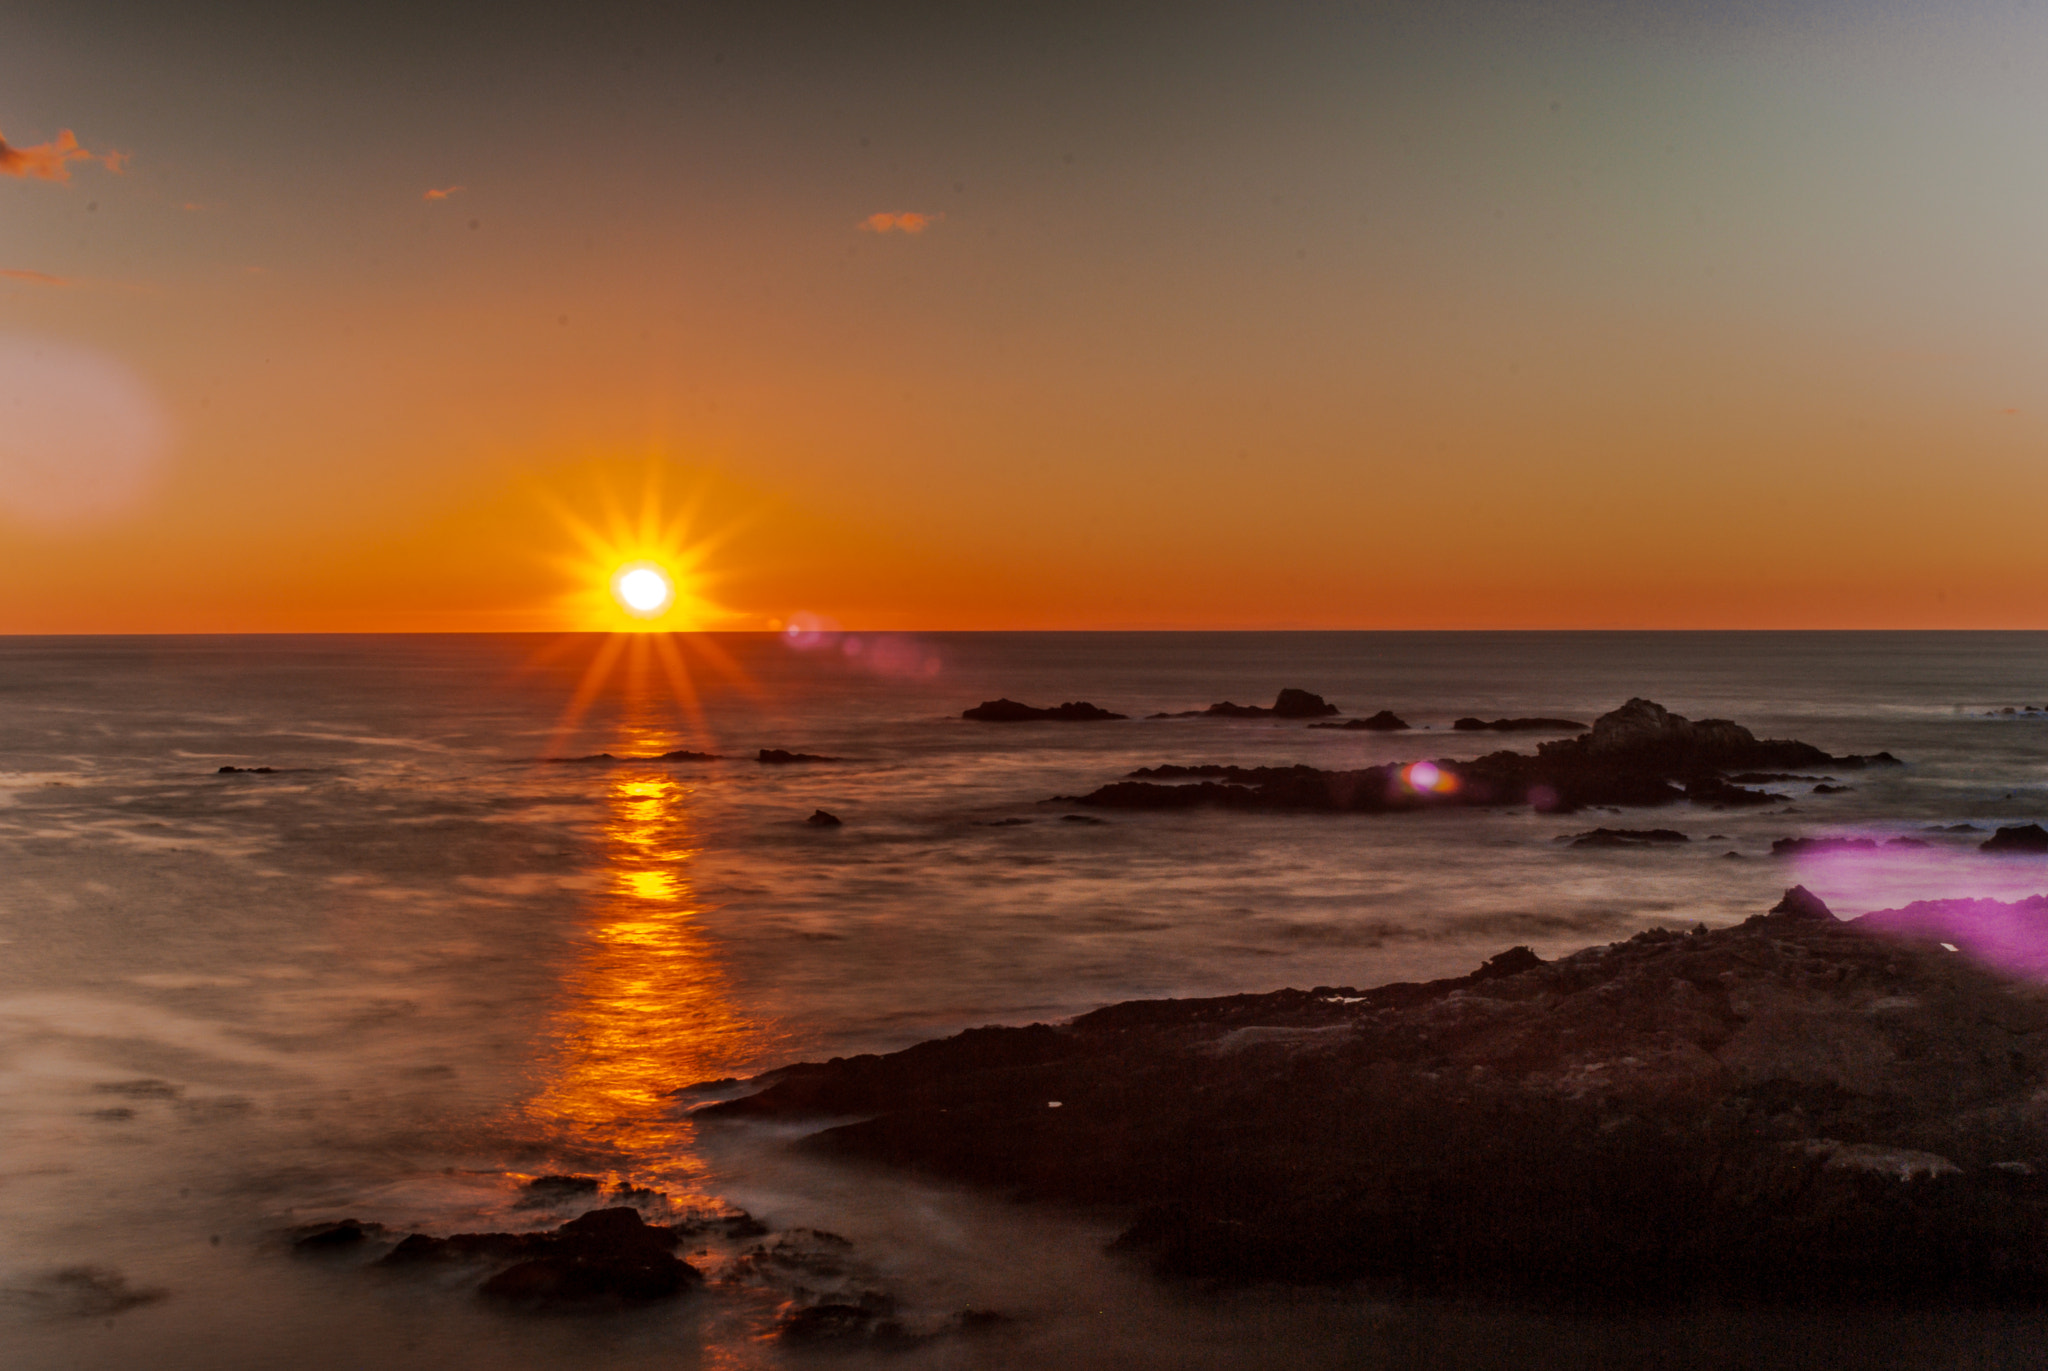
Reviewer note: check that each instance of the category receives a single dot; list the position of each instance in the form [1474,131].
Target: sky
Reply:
[940,316]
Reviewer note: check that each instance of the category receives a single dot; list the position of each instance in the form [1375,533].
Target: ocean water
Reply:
[416,964]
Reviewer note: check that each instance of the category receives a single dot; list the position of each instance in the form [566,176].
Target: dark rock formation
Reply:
[777,755]
[1289,704]
[1010,712]
[2017,838]
[687,756]
[1640,754]
[1472,725]
[608,1256]
[823,819]
[1626,837]
[1794,1109]
[599,758]
[1833,789]
[246,771]
[1386,721]
[1801,847]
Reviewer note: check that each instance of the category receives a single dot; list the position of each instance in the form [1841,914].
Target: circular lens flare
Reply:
[643,589]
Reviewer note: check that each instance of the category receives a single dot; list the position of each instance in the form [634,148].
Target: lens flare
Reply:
[1427,778]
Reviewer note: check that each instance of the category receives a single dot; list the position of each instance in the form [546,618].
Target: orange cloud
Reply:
[909,221]
[41,278]
[442,194]
[51,161]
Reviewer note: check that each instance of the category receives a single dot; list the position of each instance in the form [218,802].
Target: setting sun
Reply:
[643,589]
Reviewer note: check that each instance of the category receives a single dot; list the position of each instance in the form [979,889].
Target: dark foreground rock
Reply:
[1288,704]
[605,1257]
[1640,754]
[1386,721]
[1794,1109]
[1472,725]
[1010,712]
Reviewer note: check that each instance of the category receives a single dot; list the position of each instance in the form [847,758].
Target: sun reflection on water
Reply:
[647,1007]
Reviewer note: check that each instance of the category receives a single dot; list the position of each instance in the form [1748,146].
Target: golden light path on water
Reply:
[647,1008]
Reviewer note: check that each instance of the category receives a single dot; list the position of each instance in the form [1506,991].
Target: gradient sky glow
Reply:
[1384,316]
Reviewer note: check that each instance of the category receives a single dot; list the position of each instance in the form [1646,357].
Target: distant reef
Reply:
[1010,712]
[1386,721]
[1289,704]
[1472,725]
[1795,1110]
[1638,755]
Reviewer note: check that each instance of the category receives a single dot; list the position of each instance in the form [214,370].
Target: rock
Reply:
[1010,712]
[1472,725]
[823,819]
[1832,789]
[1627,837]
[246,771]
[687,756]
[2017,838]
[605,1257]
[1288,704]
[778,756]
[341,1235]
[556,1189]
[1638,755]
[1081,819]
[1386,721]
[1797,1109]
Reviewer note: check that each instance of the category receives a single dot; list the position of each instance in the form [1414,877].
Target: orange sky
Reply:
[1424,316]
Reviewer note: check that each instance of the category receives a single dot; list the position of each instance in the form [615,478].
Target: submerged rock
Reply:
[1010,712]
[1472,725]
[1627,837]
[1794,1109]
[1640,754]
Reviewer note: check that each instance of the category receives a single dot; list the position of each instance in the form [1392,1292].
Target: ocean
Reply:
[406,959]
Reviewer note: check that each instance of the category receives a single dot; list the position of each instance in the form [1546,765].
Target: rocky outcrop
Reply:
[1638,755]
[2017,838]
[1386,721]
[1473,725]
[1289,704]
[1793,1109]
[1010,712]
[824,818]
[777,756]
[607,1256]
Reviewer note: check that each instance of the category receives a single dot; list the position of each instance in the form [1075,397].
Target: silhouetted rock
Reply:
[823,819]
[1627,837]
[1472,725]
[608,1256]
[688,756]
[777,755]
[1291,703]
[342,1235]
[1010,712]
[246,771]
[1386,721]
[2017,838]
[1833,789]
[1794,1109]
[1638,755]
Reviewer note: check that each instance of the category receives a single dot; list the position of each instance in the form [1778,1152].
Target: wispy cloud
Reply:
[40,278]
[443,193]
[52,161]
[907,221]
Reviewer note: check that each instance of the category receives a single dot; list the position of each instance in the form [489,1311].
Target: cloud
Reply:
[442,194]
[52,161]
[909,221]
[40,278]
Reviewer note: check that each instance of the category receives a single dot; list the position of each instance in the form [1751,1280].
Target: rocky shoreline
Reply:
[1794,1109]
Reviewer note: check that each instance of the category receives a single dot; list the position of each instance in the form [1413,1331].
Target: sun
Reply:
[643,589]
